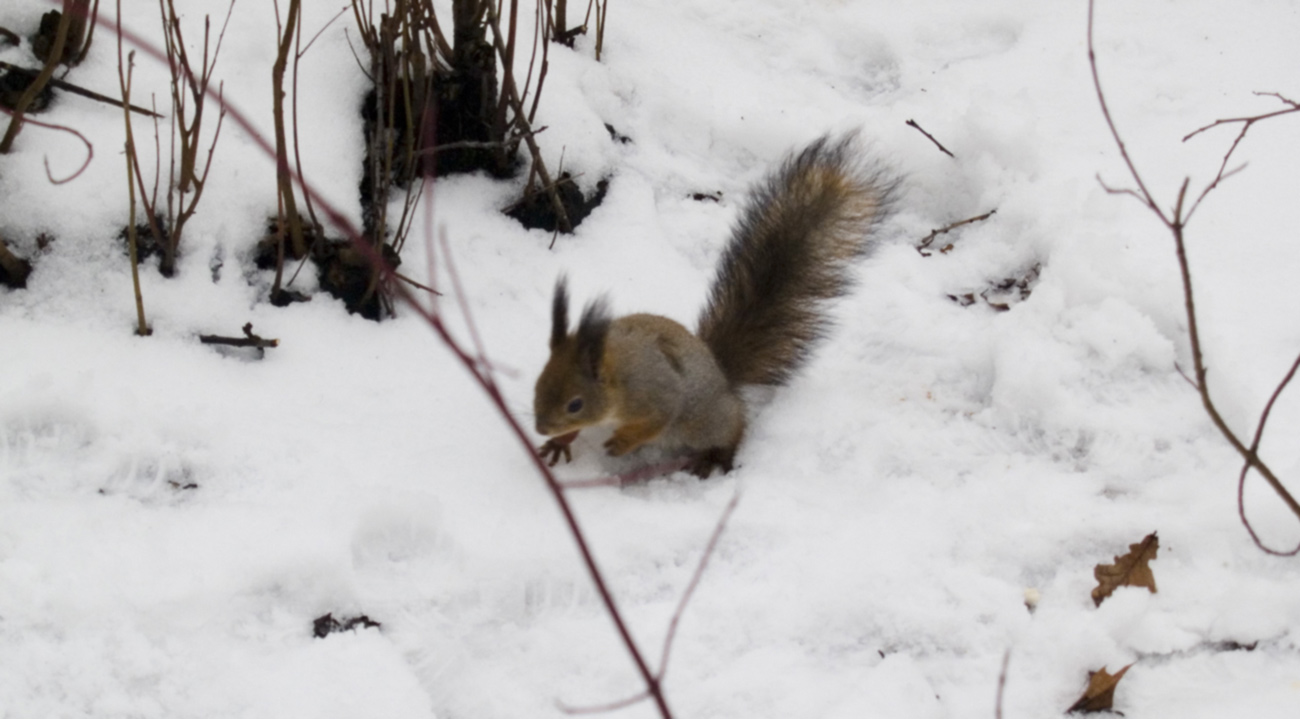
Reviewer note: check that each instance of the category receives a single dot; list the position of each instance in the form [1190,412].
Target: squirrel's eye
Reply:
[575,405]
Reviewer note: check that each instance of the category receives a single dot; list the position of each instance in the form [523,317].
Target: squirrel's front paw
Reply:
[555,447]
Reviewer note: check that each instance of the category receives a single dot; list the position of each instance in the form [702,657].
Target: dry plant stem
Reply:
[695,582]
[928,239]
[541,75]
[561,29]
[1245,469]
[602,9]
[912,123]
[188,94]
[508,89]
[89,29]
[676,618]
[298,52]
[248,340]
[78,90]
[90,149]
[1002,684]
[283,174]
[124,81]
[34,89]
[483,378]
[1246,123]
[1175,222]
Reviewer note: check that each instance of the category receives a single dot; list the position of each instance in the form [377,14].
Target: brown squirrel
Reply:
[656,382]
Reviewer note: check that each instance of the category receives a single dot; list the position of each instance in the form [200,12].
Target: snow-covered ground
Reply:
[897,500]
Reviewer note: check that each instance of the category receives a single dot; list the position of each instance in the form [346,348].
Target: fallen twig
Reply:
[248,340]
[944,150]
[928,239]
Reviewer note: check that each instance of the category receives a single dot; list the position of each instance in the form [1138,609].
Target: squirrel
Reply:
[656,382]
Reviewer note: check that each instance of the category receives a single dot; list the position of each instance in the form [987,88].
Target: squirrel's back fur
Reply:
[790,251]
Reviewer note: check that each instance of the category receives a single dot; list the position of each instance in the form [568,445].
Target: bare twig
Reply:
[912,123]
[415,284]
[672,624]
[90,149]
[928,239]
[78,90]
[248,340]
[695,582]
[1176,221]
[124,82]
[1246,123]
[284,184]
[512,94]
[1002,684]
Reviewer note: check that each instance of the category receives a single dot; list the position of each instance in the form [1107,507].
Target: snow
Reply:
[896,501]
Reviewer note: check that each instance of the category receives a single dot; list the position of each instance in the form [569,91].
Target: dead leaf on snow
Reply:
[1100,694]
[1131,570]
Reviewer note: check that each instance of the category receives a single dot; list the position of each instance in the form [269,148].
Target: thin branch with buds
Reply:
[1176,222]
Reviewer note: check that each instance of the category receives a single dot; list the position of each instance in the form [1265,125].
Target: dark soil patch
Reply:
[536,210]
[15,81]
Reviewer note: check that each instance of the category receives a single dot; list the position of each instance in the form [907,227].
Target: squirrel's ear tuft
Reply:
[592,330]
[560,312]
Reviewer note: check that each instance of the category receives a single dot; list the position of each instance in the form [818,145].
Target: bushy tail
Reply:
[791,251]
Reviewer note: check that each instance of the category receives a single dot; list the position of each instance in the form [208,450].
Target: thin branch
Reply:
[1142,193]
[321,31]
[1268,408]
[78,90]
[1176,223]
[1002,684]
[90,149]
[944,150]
[248,340]
[1245,521]
[412,283]
[511,93]
[604,708]
[673,623]
[928,239]
[695,582]
[1247,122]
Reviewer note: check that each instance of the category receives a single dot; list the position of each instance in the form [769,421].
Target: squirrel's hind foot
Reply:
[703,464]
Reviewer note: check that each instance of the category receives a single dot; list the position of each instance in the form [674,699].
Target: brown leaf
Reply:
[1100,693]
[1131,570]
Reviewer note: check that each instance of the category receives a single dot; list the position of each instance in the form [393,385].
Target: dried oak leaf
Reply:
[1100,693]
[1131,570]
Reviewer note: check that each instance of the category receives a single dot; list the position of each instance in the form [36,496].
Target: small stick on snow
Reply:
[944,150]
[248,340]
[925,242]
